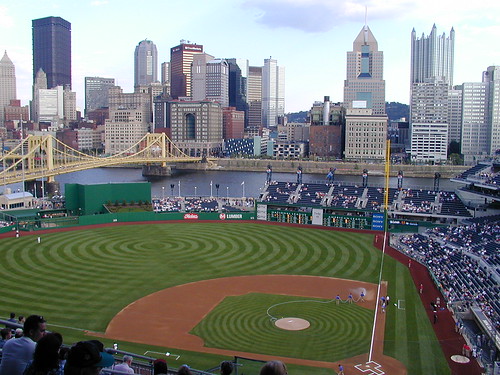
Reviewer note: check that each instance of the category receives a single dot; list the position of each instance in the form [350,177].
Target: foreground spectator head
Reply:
[46,356]
[274,368]
[226,367]
[21,319]
[160,367]
[184,370]
[34,327]
[87,358]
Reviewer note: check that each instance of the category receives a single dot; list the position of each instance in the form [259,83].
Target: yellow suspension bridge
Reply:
[39,157]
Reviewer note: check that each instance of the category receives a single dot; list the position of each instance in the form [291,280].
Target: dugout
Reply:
[90,199]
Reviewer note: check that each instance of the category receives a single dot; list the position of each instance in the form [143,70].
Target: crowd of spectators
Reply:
[465,261]
[411,201]
[418,201]
[40,352]
[4,223]
[201,204]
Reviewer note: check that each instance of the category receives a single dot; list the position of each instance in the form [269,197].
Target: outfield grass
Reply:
[81,279]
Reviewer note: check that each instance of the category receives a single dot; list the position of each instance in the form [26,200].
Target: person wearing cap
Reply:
[17,353]
[125,365]
[87,358]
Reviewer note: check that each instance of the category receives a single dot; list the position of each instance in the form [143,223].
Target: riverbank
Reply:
[320,167]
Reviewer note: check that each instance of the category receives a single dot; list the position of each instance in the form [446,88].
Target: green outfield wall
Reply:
[90,199]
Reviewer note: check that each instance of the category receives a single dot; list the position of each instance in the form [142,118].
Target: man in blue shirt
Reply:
[17,353]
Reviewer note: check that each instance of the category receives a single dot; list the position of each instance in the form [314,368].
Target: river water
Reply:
[232,184]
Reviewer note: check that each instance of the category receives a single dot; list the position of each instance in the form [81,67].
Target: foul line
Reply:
[310,300]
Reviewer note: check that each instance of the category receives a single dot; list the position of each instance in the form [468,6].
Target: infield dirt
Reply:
[171,314]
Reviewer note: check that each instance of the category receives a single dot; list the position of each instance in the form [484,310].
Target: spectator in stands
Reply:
[274,368]
[87,358]
[17,353]
[12,318]
[125,365]
[63,356]
[18,333]
[184,370]
[6,335]
[160,367]
[46,357]
[21,319]
[226,367]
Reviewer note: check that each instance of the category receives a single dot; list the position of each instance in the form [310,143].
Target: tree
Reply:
[453,148]
[456,159]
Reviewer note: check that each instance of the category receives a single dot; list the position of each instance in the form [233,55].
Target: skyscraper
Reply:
[7,84]
[96,92]
[273,93]
[165,77]
[199,76]
[365,85]
[52,50]
[475,127]
[254,100]
[433,103]
[492,77]
[181,58]
[432,56]
[145,63]
[481,117]
[238,78]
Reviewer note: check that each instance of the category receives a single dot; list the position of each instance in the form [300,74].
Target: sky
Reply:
[310,38]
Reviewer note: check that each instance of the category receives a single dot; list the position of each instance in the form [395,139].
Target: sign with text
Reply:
[317,216]
[262,212]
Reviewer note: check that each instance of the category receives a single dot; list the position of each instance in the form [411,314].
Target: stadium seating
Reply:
[465,260]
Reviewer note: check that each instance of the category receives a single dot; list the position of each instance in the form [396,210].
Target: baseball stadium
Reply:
[377,280]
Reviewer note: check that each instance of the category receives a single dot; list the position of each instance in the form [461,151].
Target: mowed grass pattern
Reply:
[241,323]
[82,278]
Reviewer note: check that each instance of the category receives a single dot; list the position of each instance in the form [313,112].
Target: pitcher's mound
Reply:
[292,324]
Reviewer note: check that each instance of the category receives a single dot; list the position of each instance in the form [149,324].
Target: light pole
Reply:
[227,192]
[211,191]
[195,191]
[163,193]
[179,188]
[243,186]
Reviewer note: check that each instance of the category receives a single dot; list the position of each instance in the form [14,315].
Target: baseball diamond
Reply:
[155,286]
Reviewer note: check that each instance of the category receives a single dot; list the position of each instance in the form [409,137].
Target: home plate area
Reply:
[370,368]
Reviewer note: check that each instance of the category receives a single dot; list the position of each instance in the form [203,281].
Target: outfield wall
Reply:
[90,199]
[167,216]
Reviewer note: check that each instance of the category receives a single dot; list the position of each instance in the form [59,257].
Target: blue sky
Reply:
[309,37]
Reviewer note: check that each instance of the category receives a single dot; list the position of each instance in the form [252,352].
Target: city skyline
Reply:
[310,38]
